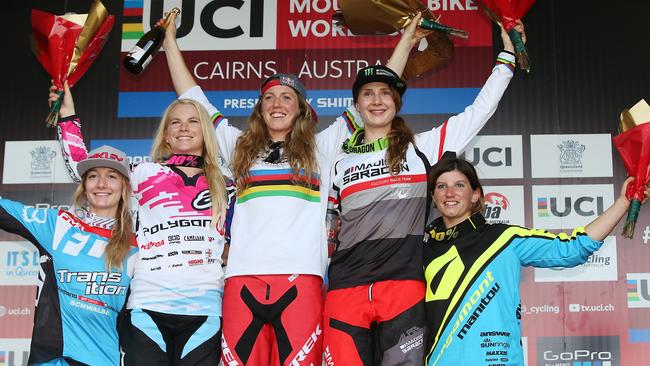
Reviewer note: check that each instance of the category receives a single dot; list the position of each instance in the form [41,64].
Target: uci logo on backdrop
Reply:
[569,206]
[496,157]
[205,25]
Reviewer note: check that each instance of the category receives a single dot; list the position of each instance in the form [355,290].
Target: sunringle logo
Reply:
[638,290]
[602,265]
[496,156]
[576,155]
[569,350]
[569,206]
[504,205]
[234,25]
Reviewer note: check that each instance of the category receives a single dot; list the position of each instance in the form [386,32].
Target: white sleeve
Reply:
[329,140]
[459,130]
[226,134]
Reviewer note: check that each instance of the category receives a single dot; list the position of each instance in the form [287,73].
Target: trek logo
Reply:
[638,290]
[365,171]
[202,201]
[97,283]
[583,206]
[307,347]
[496,156]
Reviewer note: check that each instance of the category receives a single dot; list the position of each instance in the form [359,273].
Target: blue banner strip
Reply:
[130,4]
[326,102]
[639,335]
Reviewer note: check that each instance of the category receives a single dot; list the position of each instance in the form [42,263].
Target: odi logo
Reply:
[496,156]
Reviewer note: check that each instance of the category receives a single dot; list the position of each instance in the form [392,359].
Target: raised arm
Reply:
[69,133]
[180,74]
[605,223]
[411,37]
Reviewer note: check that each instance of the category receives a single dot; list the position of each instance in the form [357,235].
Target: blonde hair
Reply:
[298,146]
[161,150]
[121,238]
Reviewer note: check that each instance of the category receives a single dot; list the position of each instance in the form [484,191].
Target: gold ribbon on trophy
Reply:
[376,17]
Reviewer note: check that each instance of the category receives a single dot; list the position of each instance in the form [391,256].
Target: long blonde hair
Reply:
[121,238]
[161,150]
[299,146]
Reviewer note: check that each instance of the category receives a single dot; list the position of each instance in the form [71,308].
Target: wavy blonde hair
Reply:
[121,238]
[299,145]
[161,151]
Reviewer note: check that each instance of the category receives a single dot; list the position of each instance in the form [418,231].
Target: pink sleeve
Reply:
[72,144]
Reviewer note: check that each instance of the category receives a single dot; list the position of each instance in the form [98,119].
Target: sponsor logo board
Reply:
[14,351]
[569,206]
[34,162]
[565,156]
[19,263]
[504,204]
[638,290]
[578,351]
[496,156]
[600,266]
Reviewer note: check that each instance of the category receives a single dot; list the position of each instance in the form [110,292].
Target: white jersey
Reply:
[278,226]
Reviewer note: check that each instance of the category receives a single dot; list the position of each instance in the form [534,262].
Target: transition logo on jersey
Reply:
[578,351]
[638,290]
[34,162]
[19,263]
[504,205]
[136,150]
[600,266]
[16,311]
[564,156]
[496,156]
[569,206]
[14,351]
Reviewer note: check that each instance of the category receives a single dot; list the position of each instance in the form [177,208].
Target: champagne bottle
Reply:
[148,45]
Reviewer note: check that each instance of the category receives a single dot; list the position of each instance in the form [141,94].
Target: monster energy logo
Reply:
[369,72]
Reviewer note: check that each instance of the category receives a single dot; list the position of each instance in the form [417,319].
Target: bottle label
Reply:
[136,52]
[146,62]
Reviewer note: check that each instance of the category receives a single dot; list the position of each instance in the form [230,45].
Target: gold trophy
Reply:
[376,17]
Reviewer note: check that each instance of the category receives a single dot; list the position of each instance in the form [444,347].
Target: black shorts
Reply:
[152,338]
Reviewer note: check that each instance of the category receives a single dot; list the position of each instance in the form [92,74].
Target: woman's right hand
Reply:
[170,32]
[67,107]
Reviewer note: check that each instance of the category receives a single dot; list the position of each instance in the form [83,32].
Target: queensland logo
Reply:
[202,201]
[41,164]
[571,155]
[195,262]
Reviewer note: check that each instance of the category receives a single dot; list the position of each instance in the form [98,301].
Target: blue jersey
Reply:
[78,299]
[472,297]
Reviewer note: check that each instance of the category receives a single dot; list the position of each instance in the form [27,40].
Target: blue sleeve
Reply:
[35,225]
[539,248]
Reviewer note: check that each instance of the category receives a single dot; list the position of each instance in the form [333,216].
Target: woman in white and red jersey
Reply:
[174,306]
[374,309]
